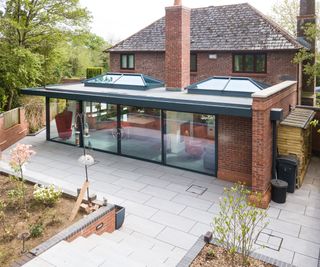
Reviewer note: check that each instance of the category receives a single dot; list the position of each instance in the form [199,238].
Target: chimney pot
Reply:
[177,2]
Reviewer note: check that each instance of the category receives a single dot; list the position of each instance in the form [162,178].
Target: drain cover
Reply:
[196,189]
[269,241]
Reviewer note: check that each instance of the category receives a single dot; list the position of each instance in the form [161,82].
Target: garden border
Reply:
[193,252]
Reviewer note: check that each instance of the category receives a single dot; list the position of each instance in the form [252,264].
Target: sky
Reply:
[119,19]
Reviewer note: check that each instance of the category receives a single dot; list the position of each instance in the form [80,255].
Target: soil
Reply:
[213,256]
[18,220]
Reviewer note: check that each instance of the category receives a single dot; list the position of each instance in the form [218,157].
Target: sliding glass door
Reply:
[141,132]
[101,120]
[179,139]
[190,141]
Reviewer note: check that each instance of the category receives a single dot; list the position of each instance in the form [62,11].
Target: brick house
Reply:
[232,40]
[220,126]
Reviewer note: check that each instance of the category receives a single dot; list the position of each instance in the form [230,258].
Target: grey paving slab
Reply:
[313,212]
[141,210]
[175,221]
[300,219]
[200,229]
[139,197]
[177,179]
[126,174]
[294,207]
[144,226]
[301,246]
[127,183]
[310,234]
[304,261]
[198,215]
[284,227]
[153,181]
[159,192]
[149,172]
[177,238]
[165,205]
[192,201]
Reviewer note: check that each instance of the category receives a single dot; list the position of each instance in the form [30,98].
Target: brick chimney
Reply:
[177,54]
[307,15]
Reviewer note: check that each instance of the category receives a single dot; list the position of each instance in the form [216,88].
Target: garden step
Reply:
[113,256]
[116,236]
[62,255]
[130,240]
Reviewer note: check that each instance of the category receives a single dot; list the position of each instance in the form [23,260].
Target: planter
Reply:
[279,191]
[120,215]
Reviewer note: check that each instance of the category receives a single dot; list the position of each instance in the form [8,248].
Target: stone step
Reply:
[63,255]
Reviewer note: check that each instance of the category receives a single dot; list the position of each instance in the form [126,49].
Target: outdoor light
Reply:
[86,160]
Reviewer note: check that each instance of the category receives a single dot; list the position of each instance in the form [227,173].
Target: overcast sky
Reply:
[116,20]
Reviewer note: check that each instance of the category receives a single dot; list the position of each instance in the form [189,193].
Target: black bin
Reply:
[287,167]
[279,191]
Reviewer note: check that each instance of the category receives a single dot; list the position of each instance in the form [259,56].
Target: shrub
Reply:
[46,195]
[36,230]
[94,71]
[238,223]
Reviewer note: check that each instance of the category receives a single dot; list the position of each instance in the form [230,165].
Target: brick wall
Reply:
[234,149]
[105,224]
[13,134]
[262,133]
[279,66]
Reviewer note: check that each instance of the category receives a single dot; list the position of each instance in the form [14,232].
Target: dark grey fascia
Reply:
[148,102]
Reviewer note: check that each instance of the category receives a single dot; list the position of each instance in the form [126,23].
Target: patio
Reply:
[163,208]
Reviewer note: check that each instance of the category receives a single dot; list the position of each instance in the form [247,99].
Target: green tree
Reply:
[285,14]
[31,34]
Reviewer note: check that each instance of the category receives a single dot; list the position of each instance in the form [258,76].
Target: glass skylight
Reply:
[124,81]
[232,86]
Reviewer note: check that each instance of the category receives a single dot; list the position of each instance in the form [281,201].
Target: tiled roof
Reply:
[219,28]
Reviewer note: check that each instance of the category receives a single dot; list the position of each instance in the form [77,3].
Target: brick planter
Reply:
[98,222]
[199,245]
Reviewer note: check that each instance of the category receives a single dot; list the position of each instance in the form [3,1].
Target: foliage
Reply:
[36,230]
[47,195]
[285,14]
[315,124]
[34,112]
[8,231]
[42,41]
[238,222]
[16,195]
[93,72]
[19,156]
[18,68]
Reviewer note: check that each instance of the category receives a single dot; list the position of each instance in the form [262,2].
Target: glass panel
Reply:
[249,63]
[238,66]
[130,80]
[241,86]
[124,61]
[190,141]
[101,121]
[62,119]
[141,132]
[260,63]
[193,62]
[131,61]
[213,84]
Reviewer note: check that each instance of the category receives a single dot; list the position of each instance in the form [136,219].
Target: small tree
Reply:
[19,156]
[238,223]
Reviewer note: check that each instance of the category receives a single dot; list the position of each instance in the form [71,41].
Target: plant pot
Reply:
[279,191]
[120,215]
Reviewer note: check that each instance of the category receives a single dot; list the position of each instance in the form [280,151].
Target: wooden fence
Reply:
[11,118]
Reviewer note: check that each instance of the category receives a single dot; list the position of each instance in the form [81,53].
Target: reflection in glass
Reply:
[141,132]
[190,141]
[62,113]
[101,121]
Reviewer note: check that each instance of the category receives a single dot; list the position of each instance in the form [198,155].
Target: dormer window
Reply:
[127,61]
